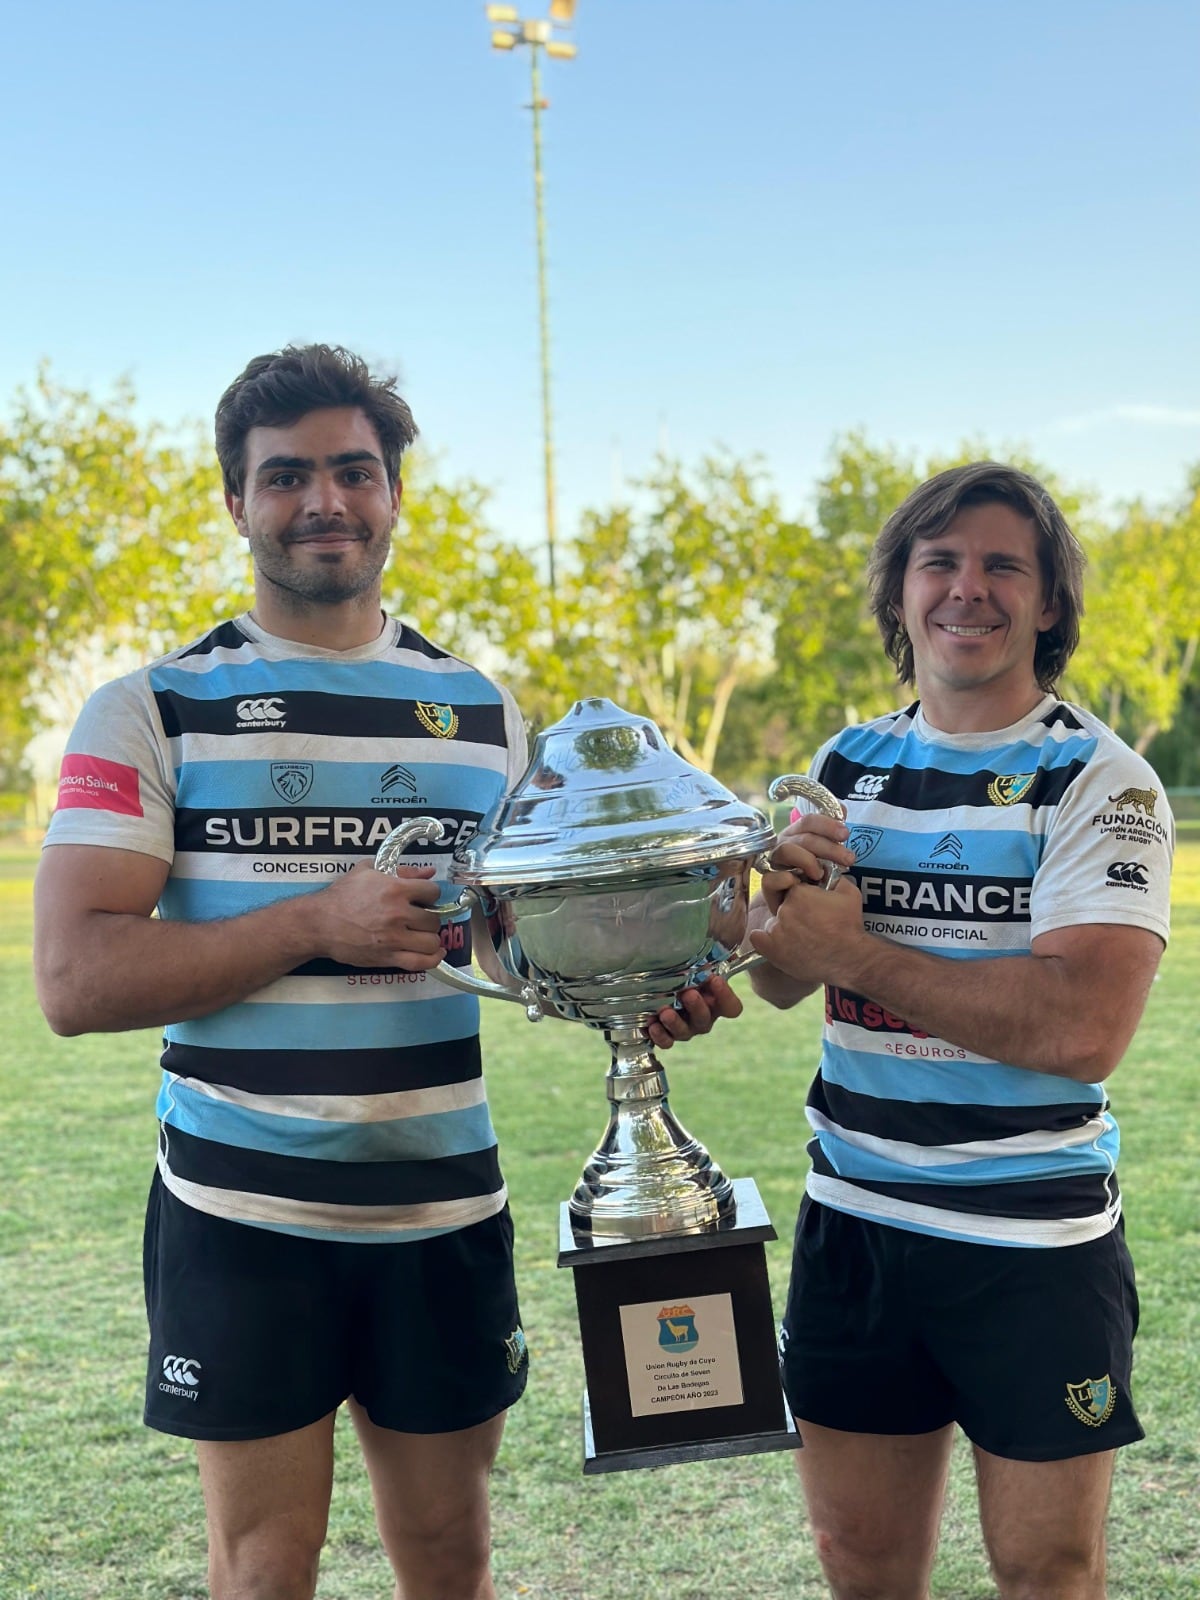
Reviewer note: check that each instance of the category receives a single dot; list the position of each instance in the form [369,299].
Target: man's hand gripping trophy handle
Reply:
[428,830]
[794,786]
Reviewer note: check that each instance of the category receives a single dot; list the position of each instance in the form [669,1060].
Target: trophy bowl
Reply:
[613,876]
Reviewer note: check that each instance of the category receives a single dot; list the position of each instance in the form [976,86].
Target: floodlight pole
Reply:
[544,327]
[538,34]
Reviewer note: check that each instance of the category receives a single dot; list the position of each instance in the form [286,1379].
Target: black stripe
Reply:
[309,711]
[929,789]
[937,897]
[1063,717]
[247,830]
[345,1183]
[1041,1199]
[410,639]
[228,636]
[417,1066]
[927,1123]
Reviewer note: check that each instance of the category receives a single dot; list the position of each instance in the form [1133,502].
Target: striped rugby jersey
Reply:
[969,846]
[337,1102]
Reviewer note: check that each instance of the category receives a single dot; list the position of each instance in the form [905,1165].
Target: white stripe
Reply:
[876,1042]
[237,1205]
[1004,1230]
[220,867]
[1040,1142]
[284,746]
[352,989]
[356,1108]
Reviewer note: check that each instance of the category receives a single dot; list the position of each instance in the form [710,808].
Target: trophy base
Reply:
[669,1455]
[679,1344]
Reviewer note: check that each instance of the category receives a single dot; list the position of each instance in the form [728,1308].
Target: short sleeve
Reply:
[1108,852]
[116,787]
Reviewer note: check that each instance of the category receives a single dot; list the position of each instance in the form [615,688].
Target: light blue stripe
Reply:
[370,680]
[856,1165]
[421,1138]
[211,900]
[954,1083]
[985,853]
[236,785]
[371,1026]
[348,1236]
[869,747]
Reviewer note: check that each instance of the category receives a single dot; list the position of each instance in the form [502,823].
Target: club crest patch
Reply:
[1092,1401]
[441,721]
[516,1350]
[1009,789]
[291,780]
[677,1328]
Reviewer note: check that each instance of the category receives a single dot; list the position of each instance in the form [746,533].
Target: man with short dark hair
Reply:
[960,1254]
[328,1220]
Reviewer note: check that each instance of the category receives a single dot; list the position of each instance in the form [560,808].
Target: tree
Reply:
[673,606]
[1140,640]
[473,592]
[110,535]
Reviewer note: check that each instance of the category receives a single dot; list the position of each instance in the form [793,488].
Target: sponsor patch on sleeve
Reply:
[91,783]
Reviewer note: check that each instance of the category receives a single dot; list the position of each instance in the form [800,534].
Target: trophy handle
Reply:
[428,830]
[793,785]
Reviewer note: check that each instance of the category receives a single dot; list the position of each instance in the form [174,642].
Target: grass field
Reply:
[95,1507]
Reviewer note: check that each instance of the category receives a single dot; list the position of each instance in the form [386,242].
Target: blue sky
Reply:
[768,223]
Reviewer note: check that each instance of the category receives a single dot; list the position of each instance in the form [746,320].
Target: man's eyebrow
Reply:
[293,463]
[306,463]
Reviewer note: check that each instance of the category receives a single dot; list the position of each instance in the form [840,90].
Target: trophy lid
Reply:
[605,796]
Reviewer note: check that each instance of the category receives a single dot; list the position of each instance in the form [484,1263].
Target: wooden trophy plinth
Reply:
[679,1343]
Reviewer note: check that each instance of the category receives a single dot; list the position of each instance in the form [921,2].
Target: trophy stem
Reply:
[648,1176]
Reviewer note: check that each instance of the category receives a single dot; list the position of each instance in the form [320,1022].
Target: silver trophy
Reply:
[614,875]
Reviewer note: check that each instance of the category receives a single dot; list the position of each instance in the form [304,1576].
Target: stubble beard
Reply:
[337,576]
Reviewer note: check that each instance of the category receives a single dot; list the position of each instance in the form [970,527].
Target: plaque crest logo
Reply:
[291,780]
[515,1350]
[1006,791]
[863,840]
[677,1328]
[1092,1401]
[441,721]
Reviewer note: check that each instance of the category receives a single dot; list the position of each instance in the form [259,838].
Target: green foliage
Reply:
[110,537]
[675,605]
[746,634]
[1142,630]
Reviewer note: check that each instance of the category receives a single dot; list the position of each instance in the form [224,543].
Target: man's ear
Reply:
[397,496]
[236,506]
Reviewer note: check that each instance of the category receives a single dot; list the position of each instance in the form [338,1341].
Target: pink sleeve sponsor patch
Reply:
[94,784]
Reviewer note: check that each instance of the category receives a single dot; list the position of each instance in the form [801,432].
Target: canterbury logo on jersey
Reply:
[266,713]
[981,898]
[1132,874]
[318,832]
[869,786]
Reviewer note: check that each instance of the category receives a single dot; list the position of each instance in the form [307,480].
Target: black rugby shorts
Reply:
[892,1332]
[255,1333]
